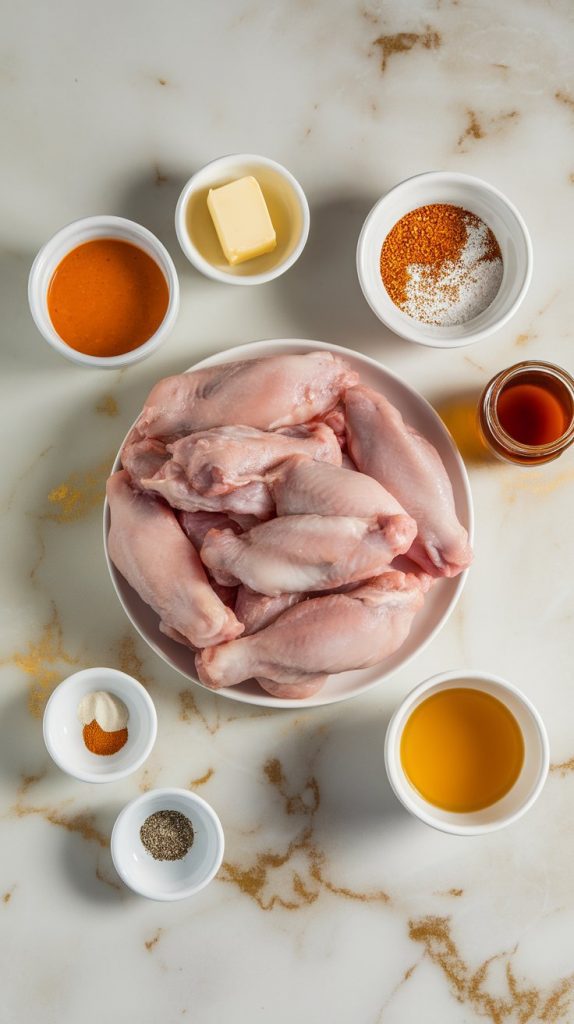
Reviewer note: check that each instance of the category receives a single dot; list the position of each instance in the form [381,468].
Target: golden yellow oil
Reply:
[462,749]
[285,216]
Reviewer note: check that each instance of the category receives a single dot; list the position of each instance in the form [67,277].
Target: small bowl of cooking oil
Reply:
[467,753]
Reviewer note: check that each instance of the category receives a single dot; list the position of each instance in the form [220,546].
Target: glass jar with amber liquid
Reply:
[526,413]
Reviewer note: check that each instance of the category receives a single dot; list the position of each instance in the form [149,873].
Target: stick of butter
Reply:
[241,219]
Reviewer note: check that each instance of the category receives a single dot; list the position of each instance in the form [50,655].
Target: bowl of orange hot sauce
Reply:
[104,292]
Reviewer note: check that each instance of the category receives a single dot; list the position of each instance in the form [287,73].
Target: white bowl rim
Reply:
[131,683]
[415,334]
[263,700]
[464,676]
[192,798]
[204,266]
[134,355]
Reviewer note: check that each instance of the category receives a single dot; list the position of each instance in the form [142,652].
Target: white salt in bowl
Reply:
[168,879]
[63,731]
[480,198]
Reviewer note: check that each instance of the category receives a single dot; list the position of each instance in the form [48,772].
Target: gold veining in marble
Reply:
[159,177]
[295,877]
[150,944]
[127,659]
[523,338]
[208,710]
[520,1003]
[189,709]
[477,129]
[563,768]
[43,661]
[565,98]
[403,42]
[28,781]
[107,406]
[79,494]
[202,778]
[81,823]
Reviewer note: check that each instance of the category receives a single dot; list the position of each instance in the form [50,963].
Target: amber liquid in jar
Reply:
[526,413]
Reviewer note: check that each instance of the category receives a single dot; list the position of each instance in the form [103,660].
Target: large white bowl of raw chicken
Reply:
[288,522]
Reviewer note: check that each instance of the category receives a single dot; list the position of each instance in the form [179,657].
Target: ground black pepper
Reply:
[167,835]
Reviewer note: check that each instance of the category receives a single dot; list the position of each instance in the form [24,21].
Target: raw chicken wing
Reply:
[256,611]
[300,486]
[143,458]
[149,548]
[320,636]
[171,482]
[218,460]
[266,393]
[309,552]
[385,447]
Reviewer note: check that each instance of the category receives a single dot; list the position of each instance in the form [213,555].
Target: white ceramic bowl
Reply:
[63,729]
[439,602]
[167,880]
[287,206]
[68,238]
[527,787]
[480,198]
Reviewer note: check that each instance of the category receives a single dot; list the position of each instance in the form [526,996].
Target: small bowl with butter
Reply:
[242,219]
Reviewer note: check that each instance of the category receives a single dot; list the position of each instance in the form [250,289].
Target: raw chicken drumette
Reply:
[320,636]
[294,554]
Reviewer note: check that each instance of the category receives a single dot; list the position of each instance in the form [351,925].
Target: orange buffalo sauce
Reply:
[107,297]
[462,749]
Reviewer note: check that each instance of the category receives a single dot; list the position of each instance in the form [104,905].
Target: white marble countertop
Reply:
[333,904]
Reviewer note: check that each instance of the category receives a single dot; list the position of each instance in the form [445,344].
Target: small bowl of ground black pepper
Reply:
[167,844]
[100,725]
[444,259]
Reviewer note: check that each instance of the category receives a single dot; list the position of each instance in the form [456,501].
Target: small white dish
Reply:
[287,205]
[439,602]
[168,879]
[527,787]
[63,730]
[68,238]
[472,194]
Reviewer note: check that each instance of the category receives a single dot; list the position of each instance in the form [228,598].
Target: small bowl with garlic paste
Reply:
[119,705]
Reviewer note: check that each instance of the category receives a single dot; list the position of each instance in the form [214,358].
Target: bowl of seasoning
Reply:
[100,725]
[467,753]
[167,844]
[242,219]
[104,292]
[444,259]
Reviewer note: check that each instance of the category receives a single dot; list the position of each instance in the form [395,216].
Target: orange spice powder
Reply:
[98,741]
[429,236]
